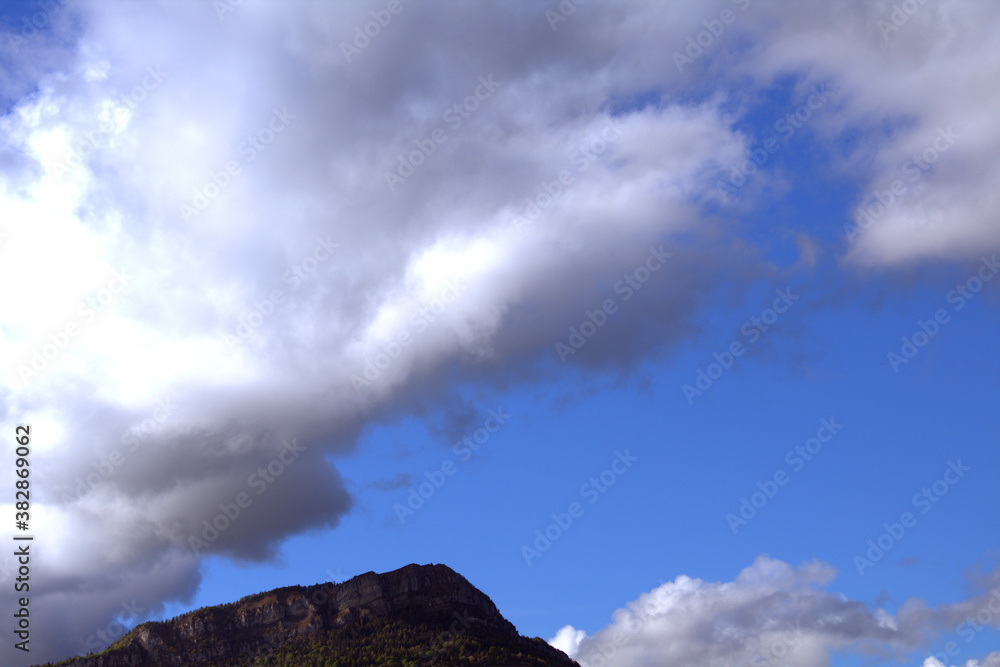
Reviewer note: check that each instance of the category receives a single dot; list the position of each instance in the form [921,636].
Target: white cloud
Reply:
[992,660]
[568,640]
[770,614]
[908,89]
[133,299]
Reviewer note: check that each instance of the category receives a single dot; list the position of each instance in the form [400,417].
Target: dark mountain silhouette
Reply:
[416,615]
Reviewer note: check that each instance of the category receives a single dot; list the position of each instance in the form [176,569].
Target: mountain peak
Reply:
[417,614]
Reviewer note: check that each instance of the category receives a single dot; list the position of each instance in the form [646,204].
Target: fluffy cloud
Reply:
[568,640]
[770,614]
[221,264]
[992,660]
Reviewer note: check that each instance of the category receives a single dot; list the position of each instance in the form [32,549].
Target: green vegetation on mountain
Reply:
[417,615]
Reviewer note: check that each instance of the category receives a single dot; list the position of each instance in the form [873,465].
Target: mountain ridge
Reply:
[415,615]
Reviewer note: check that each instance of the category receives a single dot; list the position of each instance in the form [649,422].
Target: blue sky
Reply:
[667,515]
[768,349]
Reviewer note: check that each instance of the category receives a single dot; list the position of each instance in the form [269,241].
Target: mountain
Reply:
[416,615]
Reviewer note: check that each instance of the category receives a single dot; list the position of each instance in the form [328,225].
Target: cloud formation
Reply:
[770,614]
[992,660]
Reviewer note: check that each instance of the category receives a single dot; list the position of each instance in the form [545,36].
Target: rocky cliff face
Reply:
[447,609]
